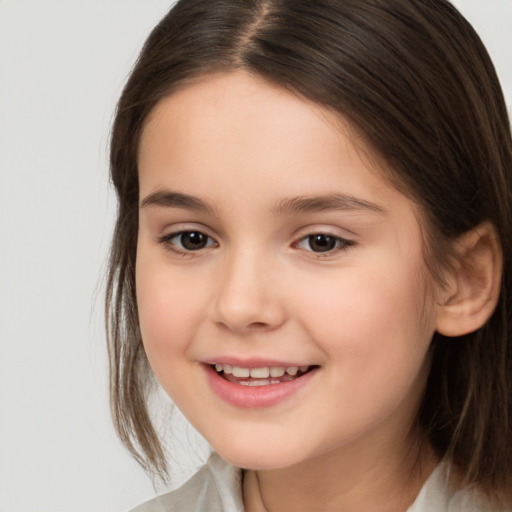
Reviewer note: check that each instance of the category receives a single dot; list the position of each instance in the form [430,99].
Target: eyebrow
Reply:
[315,204]
[170,199]
[288,206]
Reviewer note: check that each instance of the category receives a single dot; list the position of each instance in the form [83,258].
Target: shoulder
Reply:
[440,494]
[216,487]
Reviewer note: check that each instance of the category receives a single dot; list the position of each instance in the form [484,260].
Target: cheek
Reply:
[168,309]
[168,319]
[368,318]
[373,335]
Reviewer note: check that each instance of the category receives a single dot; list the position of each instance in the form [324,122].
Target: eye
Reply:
[323,243]
[187,241]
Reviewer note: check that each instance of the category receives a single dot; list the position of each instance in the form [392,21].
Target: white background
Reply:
[62,66]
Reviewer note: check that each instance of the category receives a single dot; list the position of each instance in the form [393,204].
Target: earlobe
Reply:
[474,283]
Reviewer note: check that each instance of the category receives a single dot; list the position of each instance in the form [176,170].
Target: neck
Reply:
[343,482]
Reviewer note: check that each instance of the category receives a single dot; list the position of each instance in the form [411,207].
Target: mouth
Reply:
[263,376]
[256,386]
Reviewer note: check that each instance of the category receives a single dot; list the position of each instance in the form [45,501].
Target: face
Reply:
[281,287]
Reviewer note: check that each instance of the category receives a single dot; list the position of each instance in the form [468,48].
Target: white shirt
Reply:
[217,487]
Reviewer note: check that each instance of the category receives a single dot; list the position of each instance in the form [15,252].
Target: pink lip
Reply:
[253,397]
[252,363]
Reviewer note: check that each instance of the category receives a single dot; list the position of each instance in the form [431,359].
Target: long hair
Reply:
[416,83]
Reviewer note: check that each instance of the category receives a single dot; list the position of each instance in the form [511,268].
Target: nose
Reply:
[248,297]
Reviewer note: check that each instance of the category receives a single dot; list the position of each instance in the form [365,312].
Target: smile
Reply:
[258,386]
[263,376]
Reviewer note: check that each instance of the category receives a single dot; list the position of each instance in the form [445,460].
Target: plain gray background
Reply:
[62,66]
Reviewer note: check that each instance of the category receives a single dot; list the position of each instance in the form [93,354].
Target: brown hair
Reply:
[415,81]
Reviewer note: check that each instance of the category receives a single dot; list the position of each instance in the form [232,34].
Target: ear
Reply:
[474,283]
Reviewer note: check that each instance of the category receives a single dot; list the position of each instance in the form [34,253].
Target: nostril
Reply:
[257,325]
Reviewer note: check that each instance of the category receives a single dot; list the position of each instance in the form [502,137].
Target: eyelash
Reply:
[167,242]
[340,244]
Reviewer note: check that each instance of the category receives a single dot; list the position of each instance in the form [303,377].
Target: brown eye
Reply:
[323,243]
[187,241]
[193,240]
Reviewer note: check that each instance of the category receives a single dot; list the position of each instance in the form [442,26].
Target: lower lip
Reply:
[253,397]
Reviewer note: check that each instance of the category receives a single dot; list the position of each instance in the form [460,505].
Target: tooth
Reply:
[260,373]
[292,370]
[218,367]
[228,370]
[240,372]
[255,383]
[303,368]
[277,371]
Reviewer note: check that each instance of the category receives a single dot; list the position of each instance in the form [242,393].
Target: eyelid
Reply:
[343,243]
[172,229]
[166,241]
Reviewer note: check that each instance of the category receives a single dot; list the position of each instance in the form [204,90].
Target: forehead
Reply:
[238,107]
[244,127]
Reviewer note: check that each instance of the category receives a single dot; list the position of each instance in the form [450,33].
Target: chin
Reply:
[257,461]
[259,456]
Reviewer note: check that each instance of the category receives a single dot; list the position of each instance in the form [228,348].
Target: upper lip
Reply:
[253,363]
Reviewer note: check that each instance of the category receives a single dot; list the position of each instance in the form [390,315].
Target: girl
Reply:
[312,256]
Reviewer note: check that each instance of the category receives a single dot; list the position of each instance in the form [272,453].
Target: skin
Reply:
[364,312]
